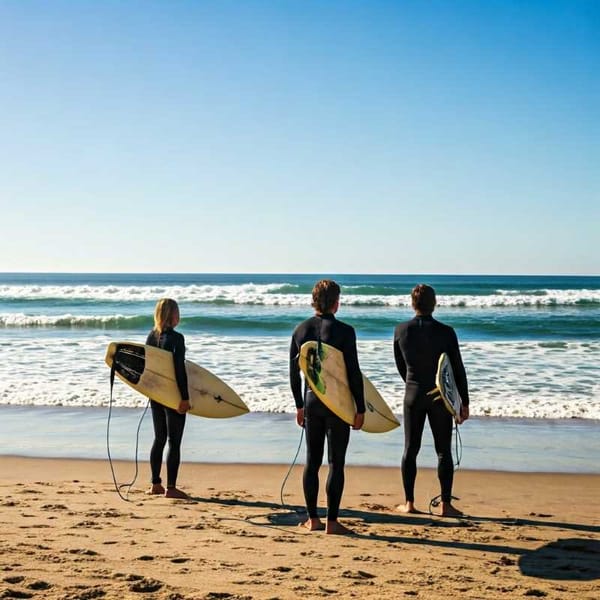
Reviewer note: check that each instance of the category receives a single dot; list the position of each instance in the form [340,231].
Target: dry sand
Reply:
[65,533]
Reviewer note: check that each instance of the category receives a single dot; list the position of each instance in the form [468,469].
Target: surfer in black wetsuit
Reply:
[418,344]
[168,423]
[320,422]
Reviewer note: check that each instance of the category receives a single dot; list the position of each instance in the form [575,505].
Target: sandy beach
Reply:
[67,534]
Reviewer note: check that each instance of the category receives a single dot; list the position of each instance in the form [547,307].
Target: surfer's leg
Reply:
[175,426]
[440,421]
[315,431]
[338,436]
[414,423]
[159,421]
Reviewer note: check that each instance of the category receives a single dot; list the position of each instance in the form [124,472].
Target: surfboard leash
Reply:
[436,500]
[283,504]
[458,447]
[119,487]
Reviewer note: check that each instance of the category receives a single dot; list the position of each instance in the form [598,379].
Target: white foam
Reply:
[270,295]
[512,379]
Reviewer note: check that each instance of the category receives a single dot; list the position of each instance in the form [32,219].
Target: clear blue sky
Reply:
[304,136]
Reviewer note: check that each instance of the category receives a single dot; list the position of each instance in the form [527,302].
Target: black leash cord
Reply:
[129,485]
[436,500]
[283,504]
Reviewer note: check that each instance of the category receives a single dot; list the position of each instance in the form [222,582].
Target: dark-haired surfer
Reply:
[311,413]
[418,345]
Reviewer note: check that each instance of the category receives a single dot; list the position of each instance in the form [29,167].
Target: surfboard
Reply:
[446,389]
[151,372]
[325,373]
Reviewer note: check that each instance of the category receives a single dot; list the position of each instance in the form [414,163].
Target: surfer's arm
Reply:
[460,375]
[399,358]
[295,379]
[355,380]
[180,372]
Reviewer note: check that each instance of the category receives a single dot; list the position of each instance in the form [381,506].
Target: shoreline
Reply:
[488,443]
[67,534]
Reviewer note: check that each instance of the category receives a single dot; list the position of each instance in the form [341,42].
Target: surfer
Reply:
[418,344]
[320,422]
[168,423]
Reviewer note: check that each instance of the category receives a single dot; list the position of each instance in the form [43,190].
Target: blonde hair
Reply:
[164,314]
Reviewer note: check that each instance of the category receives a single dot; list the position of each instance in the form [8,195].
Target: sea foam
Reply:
[507,379]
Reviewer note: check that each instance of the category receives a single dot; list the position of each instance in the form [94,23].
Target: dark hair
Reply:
[423,298]
[324,295]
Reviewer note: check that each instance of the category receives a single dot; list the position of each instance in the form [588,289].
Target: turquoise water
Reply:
[498,444]
[531,344]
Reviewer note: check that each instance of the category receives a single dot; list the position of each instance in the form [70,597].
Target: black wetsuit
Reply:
[320,422]
[168,423]
[418,344]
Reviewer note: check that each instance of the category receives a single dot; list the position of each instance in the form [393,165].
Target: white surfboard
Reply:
[325,373]
[446,389]
[150,371]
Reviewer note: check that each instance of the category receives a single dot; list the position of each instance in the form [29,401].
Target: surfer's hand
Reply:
[183,407]
[359,420]
[300,417]
[464,412]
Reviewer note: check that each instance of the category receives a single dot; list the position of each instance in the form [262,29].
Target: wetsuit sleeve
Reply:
[460,375]
[151,340]
[355,380]
[179,361]
[295,379]
[399,358]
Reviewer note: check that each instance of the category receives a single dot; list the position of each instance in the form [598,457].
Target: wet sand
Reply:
[67,534]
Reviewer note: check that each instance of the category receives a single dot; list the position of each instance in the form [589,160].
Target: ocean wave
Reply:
[506,379]
[84,322]
[549,326]
[284,294]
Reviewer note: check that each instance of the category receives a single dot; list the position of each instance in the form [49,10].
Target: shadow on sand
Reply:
[564,559]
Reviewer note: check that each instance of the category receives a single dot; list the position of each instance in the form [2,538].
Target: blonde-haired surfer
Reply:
[168,423]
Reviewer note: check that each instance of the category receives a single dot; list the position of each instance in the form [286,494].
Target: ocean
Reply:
[530,344]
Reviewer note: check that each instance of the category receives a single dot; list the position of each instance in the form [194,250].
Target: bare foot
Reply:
[449,511]
[313,525]
[408,508]
[176,493]
[156,490]
[335,528]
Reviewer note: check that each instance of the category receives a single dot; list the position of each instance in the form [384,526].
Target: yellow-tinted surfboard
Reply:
[325,372]
[151,372]
[446,389]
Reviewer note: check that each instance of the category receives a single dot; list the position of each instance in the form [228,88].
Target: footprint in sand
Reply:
[146,585]
[39,585]
[359,575]
[87,594]
[16,594]
[60,507]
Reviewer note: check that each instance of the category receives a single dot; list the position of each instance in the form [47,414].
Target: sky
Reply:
[247,136]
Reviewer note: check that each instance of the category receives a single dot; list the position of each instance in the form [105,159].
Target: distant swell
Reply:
[71,321]
[551,325]
[283,294]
